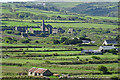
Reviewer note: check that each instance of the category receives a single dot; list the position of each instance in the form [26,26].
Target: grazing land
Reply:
[59,47]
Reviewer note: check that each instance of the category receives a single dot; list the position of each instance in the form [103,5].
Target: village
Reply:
[106,46]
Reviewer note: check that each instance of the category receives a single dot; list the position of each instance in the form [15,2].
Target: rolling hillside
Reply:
[93,8]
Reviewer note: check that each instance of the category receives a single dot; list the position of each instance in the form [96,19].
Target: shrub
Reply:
[9,31]
[56,42]
[103,69]
[24,41]
[48,62]
[96,57]
[36,41]
[9,40]
[114,78]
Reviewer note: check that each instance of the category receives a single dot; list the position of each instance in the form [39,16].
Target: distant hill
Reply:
[109,9]
[97,9]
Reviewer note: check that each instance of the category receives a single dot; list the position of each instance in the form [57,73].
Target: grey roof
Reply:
[110,41]
[107,47]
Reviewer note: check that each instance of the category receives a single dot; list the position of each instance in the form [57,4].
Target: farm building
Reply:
[86,41]
[108,42]
[39,72]
[105,48]
[91,51]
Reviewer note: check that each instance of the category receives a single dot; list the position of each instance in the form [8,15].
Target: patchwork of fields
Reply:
[59,62]
[18,56]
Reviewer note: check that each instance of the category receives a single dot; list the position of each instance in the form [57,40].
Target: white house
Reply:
[108,42]
[39,72]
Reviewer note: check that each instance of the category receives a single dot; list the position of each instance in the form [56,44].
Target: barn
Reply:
[39,72]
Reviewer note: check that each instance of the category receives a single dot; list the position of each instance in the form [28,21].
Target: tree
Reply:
[78,58]
[63,39]
[25,41]
[56,42]
[113,51]
[103,69]
[9,40]
[36,41]
[95,57]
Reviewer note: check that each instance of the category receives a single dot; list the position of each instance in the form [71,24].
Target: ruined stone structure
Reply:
[55,30]
[24,35]
[21,29]
[46,28]
[71,30]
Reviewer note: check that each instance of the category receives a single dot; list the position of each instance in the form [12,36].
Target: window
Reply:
[35,74]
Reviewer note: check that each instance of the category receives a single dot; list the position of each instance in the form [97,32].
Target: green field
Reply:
[84,25]
[77,25]
[60,58]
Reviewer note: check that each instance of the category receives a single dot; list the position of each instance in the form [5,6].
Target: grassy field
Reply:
[84,25]
[13,23]
[104,18]
[69,62]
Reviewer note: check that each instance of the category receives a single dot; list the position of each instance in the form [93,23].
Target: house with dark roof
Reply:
[86,41]
[39,72]
[109,42]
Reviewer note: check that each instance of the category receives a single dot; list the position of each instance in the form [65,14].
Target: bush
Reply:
[36,41]
[56,42]
[48,62]
[24,41]
[96,57]
[114,78]
[9,40]
[103,69]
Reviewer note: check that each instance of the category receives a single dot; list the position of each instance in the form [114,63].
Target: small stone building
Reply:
[39,72]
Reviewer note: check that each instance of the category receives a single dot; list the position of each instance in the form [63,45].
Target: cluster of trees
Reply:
[12,32]
[9,40]
[25,40]
[47,7]
[96,9]
[68,41]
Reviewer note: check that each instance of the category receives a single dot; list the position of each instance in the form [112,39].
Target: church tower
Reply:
[43,26]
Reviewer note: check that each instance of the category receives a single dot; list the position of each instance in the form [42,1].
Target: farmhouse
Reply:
[39,72]
[108,42]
